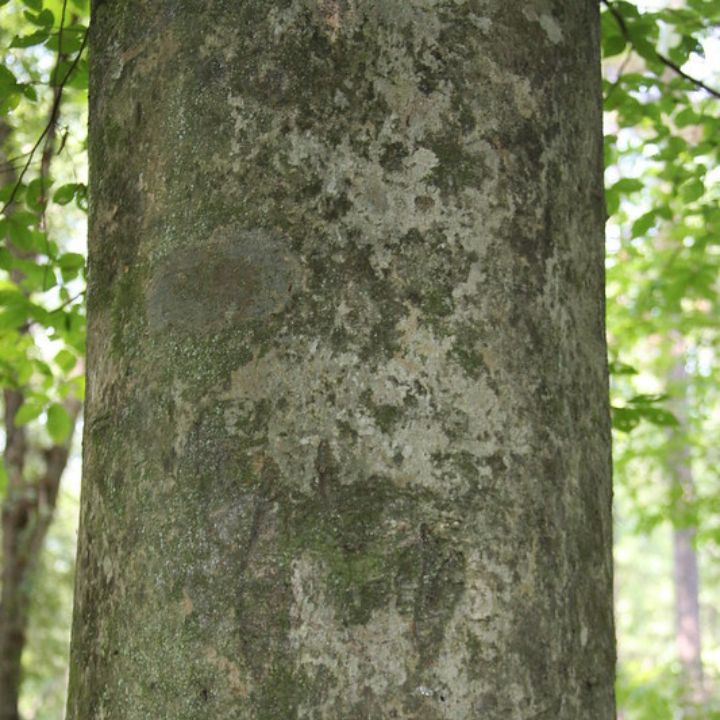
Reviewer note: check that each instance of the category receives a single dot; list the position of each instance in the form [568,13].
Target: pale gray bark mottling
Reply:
[347,445]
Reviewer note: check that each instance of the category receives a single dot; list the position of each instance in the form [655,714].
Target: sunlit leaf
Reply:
[59,423]
[28,411]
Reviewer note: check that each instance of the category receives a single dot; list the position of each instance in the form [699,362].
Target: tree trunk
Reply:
[687,609]
[27,511]
[685,563]
[13,602]
[347,444]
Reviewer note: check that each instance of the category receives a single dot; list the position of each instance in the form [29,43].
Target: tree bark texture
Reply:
[347,444]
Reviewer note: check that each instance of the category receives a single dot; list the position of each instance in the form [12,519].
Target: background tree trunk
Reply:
[347,444]
[686,575]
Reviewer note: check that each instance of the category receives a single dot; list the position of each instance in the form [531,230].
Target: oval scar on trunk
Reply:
[233,278]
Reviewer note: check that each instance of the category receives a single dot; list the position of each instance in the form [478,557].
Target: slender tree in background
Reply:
[347,440]
[27,512]
[686,575]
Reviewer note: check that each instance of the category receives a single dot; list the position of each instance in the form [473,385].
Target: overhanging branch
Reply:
[620,20]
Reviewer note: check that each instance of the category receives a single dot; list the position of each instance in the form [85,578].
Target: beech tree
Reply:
[346,432]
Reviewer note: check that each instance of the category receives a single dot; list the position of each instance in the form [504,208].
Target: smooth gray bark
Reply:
[347,445]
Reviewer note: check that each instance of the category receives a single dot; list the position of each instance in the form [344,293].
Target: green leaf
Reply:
[610,147]
[33,4]
[9,102]
[72,38]
[24,217]
[36,38]
[647,398]
[6,259]
[70,265]
[65,360]
[6,191]
[44,18]
[29,91]
[19,234]
[49,280]
[43,368]
[78,79]
[614,193]
[660,417]
[59,424]
[36,193]
[692,190]
[77,387]
[11,296]
[686,117]
[627,418]
[620,368]
[65,193]
[626,186]
[624,419]
[627,9]
[612,202]
[13,317]
[664,212]
[643,224]
[613,45]
[81,197]
[71,261]
[26,238]
[38,277]
[28,411]
[24,371]
[8,81]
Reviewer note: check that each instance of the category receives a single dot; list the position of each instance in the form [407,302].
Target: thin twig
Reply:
[26,327]
[620,20]
[49,144]
[15,162]
[619,77]
[60,38]
[673,66]
[69,301]
[50,137]
[10,163]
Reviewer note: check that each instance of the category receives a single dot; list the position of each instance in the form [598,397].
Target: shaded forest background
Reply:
[662,138]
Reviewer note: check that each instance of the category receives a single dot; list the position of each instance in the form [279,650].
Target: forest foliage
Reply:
[662,139]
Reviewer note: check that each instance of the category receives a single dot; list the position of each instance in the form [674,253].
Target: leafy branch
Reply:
[55,108]
[620,20]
